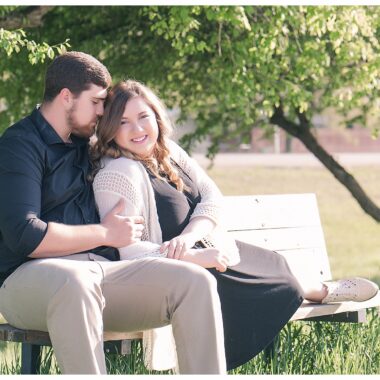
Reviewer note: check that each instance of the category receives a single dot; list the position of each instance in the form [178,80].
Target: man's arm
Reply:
[21,175]
[115,231]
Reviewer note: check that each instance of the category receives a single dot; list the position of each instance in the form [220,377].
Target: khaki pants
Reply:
[76,297]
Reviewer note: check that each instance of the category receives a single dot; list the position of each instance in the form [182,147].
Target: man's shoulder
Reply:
[22,131]
[21,143]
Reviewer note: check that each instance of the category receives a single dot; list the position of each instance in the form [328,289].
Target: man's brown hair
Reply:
[75,71]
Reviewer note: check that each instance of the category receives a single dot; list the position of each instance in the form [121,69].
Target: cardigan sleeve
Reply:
[210,205]
[120,180]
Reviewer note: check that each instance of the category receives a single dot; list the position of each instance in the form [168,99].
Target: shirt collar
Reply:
[48,133]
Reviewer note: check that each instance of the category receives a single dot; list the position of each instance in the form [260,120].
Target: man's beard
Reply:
[77,129]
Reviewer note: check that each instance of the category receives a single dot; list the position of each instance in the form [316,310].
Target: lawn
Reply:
[353,243]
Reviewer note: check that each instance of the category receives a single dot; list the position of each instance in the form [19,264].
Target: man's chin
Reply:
[84,132]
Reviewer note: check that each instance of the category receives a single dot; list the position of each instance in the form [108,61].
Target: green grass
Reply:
[353,243]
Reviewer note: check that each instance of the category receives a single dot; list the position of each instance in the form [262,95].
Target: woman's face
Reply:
[138,130]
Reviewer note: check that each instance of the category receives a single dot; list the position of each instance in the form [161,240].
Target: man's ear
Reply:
[66,98]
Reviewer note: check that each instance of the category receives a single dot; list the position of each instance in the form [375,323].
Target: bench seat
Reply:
[288,224]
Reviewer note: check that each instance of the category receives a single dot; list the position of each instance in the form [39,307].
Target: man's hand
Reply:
[122,231]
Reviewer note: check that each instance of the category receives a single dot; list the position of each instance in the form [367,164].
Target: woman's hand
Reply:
[207,258]
[177,246]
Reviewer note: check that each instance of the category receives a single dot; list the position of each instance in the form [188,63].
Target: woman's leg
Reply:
[258,297]
[314,292]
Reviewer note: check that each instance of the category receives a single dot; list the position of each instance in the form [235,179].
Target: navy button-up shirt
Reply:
[42,179]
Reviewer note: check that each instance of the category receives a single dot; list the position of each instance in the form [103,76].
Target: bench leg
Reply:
[30,359]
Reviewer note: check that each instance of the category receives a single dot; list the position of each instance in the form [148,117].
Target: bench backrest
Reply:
[288,224]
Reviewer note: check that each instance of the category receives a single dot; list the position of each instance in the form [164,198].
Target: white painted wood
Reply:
[283,238]
[307,264]
[270,211]
[288,224]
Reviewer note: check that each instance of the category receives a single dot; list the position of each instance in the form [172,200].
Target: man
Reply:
[59,266]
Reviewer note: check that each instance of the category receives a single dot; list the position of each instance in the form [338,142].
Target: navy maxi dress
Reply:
[258,296]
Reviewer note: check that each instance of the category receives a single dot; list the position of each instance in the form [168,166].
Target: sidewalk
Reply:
[286,159]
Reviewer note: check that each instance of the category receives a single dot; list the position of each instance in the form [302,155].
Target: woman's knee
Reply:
[293,286]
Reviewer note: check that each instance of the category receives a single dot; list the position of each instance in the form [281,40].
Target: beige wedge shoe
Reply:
[350,289]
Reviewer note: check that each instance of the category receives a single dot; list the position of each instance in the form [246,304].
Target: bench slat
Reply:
[309,310]
[283,239]
[288,224]
[12,334]
[306,264]
[270,211]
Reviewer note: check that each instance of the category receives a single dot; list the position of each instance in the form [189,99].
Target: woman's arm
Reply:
[206,213]
[197,229]
[205,221]
[110,186]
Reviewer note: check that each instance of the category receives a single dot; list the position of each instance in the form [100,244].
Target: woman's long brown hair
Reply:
[105,146]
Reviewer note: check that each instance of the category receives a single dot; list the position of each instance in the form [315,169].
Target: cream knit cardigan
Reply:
[128,179]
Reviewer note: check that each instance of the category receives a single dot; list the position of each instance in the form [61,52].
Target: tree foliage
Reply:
[229,67]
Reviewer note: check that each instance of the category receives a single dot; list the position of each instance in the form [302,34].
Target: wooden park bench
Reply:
[287,224]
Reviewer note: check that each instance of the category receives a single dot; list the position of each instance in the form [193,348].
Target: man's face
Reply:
[86,110]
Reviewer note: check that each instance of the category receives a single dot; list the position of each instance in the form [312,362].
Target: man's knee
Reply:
[199,280]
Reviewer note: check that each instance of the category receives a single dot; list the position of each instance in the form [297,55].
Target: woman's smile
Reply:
[140,140]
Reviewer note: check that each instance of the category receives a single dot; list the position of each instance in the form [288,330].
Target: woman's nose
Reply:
[137,126]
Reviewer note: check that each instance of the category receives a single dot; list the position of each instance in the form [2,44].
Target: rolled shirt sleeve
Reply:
[21,175]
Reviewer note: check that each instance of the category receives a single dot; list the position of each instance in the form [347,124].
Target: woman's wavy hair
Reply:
[105,146]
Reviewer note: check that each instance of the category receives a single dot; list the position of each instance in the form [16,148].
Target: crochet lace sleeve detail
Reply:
[118,184]
[109,187]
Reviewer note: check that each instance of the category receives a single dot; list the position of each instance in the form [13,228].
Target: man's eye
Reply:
[95,101]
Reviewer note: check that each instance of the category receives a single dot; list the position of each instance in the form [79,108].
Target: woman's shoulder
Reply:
[172,146]
[176,152]
[122,165]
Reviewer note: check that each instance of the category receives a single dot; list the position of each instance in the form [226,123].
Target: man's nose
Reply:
[100,109]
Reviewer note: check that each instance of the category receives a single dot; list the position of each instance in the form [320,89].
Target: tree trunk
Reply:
[302,132]
[30,17]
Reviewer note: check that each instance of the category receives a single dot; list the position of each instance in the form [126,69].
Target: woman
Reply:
[135,160]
